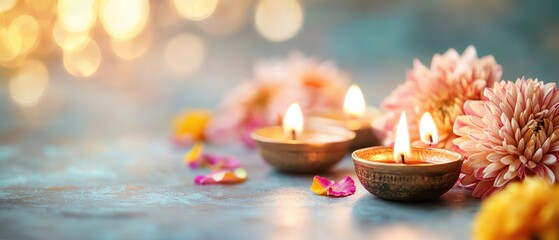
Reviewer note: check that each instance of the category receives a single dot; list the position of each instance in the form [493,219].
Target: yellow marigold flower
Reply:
[191,125]
[523,210]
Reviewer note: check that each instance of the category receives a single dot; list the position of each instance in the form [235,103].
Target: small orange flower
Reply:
[190,126]
[523,210]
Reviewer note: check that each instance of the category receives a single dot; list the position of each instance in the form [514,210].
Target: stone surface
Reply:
[139,188]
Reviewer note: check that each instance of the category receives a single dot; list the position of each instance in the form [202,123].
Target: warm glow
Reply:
[29,83]
[195,9]
[6,5]
[278,20]
[10,45]
[124,19]
[402,141]
[354,104]
[69,41]
[227,17]
[293,122]
[132,48]
[76,15]
[428,129]
[184,54]
[84,62]
[28,30]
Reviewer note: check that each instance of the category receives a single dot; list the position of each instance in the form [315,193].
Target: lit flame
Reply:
[354,104]
[428,129]
[402,149]
[293,121]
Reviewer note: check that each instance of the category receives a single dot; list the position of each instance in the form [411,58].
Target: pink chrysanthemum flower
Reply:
[315,85]
[440,90]
[511,133]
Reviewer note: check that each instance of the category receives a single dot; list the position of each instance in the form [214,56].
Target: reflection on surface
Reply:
[403,232]
[290,215]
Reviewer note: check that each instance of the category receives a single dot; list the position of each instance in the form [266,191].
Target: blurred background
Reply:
[73,70]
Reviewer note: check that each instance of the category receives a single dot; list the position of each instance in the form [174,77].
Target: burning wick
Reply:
[428,130]
[403,158]
[293,135]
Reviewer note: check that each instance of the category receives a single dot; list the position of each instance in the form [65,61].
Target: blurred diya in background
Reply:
[294,147]
[405,173]
[356,116]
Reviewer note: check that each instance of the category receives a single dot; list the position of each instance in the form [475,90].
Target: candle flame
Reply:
[354,104]
[402,149]
[428,129]
[293,122]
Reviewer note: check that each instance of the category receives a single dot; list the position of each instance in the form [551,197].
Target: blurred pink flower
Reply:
[315,85]
[511,133]
[440,90]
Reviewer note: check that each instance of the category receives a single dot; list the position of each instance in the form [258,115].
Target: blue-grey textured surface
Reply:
[91,159]
[134,188]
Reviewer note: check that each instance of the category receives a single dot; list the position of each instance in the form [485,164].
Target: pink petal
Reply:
[482,188]
[238,175]
[326,187]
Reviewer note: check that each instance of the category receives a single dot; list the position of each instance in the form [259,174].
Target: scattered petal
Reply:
[325,187]
[235,176]
[196,158]
[192,158]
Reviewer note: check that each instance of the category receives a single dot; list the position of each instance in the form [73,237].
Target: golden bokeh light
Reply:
[46,40]
[6,5]
[184,54]
[15,62]
[28,30]
[227,17]
[132,48]
[278,20]
[124,19]
[69,41]
[195,9]
[10,45]
[29,83]
[83,62]
[77,15]
[42,7]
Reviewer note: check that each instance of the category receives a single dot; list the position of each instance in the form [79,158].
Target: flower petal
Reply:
[192,158]
[238,175]
[325,187]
